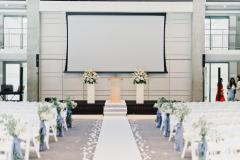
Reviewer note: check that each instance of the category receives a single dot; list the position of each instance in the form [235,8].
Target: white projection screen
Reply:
[115,42]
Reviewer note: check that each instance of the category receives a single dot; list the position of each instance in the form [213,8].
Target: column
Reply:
[198,48]
[33,45]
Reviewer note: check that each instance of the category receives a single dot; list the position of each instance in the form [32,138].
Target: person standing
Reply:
[237,96]
[231,89]
[220,93]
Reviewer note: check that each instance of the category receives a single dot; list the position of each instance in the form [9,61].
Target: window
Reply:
[12,77]
[15,32]
[216,33]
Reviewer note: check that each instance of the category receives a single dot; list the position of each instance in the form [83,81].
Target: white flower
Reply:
[90,77]
[181,111]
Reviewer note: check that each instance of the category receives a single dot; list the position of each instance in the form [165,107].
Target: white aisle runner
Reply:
[116,141]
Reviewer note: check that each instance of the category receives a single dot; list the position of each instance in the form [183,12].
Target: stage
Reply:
[97,108]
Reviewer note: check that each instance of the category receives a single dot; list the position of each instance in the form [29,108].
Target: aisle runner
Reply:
[116,141]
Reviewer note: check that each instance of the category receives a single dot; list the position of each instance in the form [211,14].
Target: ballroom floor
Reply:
[80,142]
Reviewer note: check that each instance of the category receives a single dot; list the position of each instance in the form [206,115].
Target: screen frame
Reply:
[119,14]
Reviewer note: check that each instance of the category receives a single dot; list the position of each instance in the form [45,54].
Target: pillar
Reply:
[198,48]
[33,45]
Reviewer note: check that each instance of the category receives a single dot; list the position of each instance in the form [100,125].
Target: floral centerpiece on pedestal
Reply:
[90,78]
[44,112]
[202,128]
[180,112]
[140,79]
[70,106]
[14,127]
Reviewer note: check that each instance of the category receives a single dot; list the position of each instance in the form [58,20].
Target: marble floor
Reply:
[79,143]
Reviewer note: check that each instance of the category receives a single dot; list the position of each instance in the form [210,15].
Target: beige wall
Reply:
[177,84]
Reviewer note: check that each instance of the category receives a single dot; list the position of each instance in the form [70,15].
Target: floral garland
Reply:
[140,77]
[90,77]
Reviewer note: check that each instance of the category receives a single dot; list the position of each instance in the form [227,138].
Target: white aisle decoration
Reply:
[90,79]
[140,79]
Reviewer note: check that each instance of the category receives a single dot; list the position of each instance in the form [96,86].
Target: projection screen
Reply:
[115,42]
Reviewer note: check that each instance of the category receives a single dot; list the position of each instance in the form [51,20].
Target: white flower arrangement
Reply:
[70,104]
[181,111]
[140,77]
[90,77]
[160,102]
[44,111]
[61,106]
[13,126]
[167,107]
[201,127]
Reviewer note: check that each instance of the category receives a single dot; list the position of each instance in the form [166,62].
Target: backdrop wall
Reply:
[177,84]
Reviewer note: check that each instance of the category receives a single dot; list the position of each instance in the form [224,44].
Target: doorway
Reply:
[211,79]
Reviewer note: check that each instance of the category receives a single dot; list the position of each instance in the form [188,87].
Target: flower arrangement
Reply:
[201,127]
[168,107]
[13,126]
[140,77]
[44,111]
[160,102]
[90,77]
[60,121]
[181,111]
[70,104]
[58,105]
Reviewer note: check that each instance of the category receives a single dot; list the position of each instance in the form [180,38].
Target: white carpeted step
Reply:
[115,109]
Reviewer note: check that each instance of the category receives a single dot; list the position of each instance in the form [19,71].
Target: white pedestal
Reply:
[140,93]
[90,93]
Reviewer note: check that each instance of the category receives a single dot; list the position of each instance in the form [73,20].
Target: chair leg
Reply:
[36,147]
[184,149]
[27,148]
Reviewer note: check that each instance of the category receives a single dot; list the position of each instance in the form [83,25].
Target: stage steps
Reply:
[115,109]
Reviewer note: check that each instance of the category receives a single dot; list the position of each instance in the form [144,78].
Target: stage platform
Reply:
[98,107]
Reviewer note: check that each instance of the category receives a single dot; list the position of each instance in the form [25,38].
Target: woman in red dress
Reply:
[222,99]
